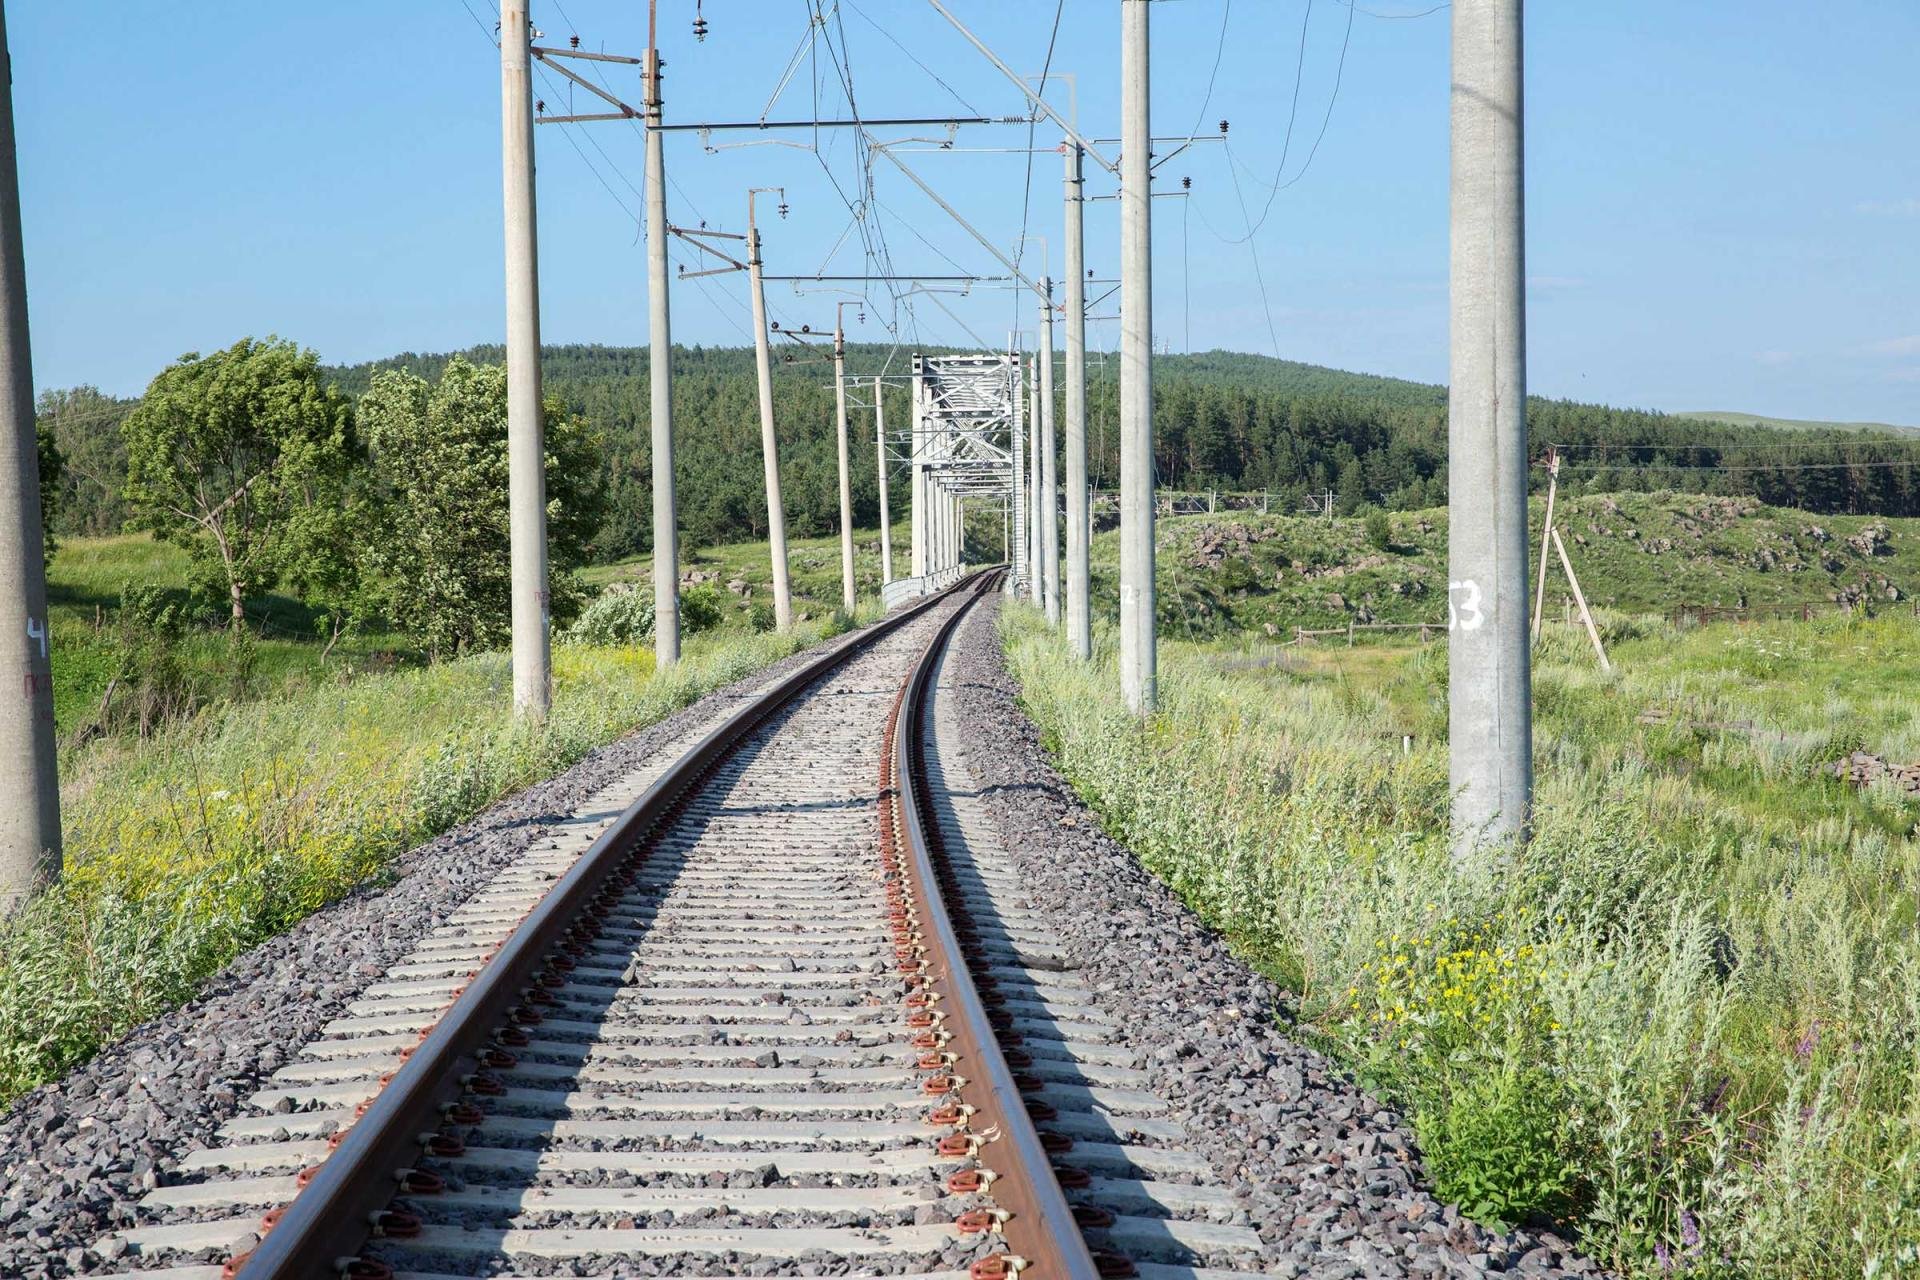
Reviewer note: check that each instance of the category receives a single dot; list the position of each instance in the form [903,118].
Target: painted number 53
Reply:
[1463,606]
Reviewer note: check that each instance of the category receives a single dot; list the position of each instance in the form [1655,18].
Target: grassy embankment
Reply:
[1636,553]
[296,782]
[1686,1022]
[85,580]
[813,570]
[286,651]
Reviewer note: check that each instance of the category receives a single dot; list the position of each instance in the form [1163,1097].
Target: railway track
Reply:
[773,1006]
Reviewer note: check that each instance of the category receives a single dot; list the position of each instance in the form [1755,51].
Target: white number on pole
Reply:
[1463,606]
[37,630]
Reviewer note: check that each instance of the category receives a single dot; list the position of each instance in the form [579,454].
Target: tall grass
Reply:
[1687,1022]
[187,848]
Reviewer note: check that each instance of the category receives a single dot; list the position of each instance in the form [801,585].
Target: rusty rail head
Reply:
[336,1211]
[1039,1225]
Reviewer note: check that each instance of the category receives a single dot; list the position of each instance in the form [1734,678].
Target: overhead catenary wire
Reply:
[934,76]
[1026,195]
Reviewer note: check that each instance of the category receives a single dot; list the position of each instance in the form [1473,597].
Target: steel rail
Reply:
[1034,1217]
[348,1196]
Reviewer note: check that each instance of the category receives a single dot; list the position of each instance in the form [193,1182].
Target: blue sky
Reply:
[1724,197]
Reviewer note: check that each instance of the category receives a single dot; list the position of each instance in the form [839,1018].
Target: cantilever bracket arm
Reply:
[880,148]
[588,85]
[693,237]
[1039,103]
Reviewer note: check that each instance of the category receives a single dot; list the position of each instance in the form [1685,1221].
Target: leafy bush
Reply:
[1379,530]
[702,607]
[150,685]
[760,616]
[1497,1144]
[622,614]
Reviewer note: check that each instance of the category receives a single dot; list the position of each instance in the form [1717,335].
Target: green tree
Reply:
[52,479]
[440,462]
[85,427]
[243,457]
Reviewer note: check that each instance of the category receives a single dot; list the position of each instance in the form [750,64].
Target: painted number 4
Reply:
[1463,606]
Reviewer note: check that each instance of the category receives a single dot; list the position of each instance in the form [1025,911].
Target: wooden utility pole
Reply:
[1580,598]
[1546,532]
[1550,541]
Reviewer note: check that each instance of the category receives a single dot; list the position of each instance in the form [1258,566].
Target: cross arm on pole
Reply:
[541,51]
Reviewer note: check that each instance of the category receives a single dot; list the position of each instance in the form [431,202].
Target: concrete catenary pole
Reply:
[29,785]
[1489,713]
[917,475]
[880,450]
[1017,504]
[931,506]
[846,465]
[769,443]
[526,446]
[1138,657]
[944,528]
[666,525]
[1079,614]
[1049,473]
[1036,541]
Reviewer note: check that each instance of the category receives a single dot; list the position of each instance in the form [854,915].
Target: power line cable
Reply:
[1220,49]
[1742,447]
[1253,250]
[1784,466]
[1393,17]
[1339,76]
[485,30]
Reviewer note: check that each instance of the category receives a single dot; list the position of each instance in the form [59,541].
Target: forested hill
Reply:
[1224,420]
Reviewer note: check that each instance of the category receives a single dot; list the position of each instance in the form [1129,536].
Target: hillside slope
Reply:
[1795,424]
[1636,553]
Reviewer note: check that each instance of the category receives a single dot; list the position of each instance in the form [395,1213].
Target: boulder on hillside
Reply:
[1874,540]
